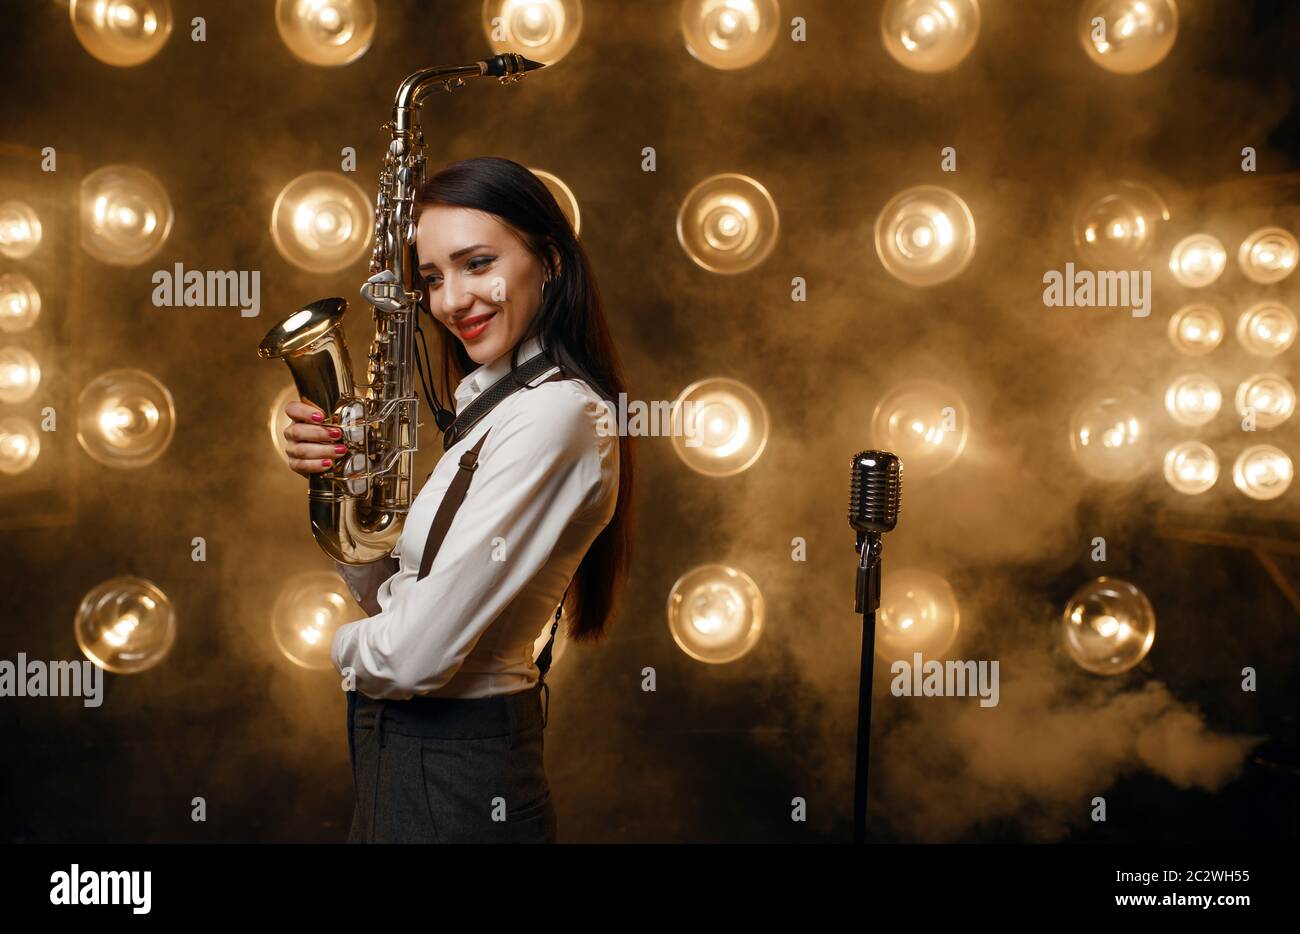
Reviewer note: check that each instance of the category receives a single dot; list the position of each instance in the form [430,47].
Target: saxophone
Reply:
[358,506]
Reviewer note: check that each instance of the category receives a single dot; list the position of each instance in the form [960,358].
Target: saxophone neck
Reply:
[508,66]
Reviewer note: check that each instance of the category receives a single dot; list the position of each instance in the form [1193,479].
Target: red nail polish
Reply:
[317,417]
[336,433]
[326,463]
[340,449]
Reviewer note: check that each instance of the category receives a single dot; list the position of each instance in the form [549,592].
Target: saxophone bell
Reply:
[312,343]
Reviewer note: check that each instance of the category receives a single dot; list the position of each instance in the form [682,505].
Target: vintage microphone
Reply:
[875,486]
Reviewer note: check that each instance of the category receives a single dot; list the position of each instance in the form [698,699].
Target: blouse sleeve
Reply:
[539,467]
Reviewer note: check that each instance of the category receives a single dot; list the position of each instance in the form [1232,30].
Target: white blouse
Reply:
[545,487]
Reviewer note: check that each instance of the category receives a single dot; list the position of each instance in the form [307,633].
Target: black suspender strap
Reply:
[459,486]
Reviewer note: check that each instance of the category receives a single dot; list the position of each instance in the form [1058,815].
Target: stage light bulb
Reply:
[1118,223]
[326,32]
[126,215]
[1198,260]
[930,35]
[20,374]
[563,196]
[1266,329]
[1268,255]
[308,611]
[1195,330]
[20,303]
[918,613]
[125,419]
[730,34]
[728,224]
[322,222]
[121,32]
[1191,467]
[1108,626]
[1270,396]
[125,625]
[20,445]
[1193,399]
[20,230]
[715,613]
[1262,472]
[719,426]
[1110,434]
[1132,35]
[925,235]
[541,30]
[925,423]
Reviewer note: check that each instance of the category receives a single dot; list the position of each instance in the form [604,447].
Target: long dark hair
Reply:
[571,323]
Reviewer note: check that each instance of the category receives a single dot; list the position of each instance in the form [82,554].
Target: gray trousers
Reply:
[449,770]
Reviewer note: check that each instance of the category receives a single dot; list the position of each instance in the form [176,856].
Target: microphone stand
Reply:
[866,602]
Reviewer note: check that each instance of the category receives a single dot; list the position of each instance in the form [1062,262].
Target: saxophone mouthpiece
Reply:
[509,63]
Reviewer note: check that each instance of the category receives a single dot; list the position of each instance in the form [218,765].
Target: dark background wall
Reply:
[833,128]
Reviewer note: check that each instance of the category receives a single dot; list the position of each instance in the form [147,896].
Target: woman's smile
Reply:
[471,328]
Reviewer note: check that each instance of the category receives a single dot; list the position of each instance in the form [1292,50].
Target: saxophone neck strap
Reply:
[491,397]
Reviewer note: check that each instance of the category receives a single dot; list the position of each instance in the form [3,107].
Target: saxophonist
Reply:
[445,727]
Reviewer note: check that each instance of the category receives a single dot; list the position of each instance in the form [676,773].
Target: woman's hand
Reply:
[311,446]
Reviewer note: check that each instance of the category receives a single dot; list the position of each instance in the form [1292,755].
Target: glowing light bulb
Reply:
[1191,467]
[542,30]
[125,625]
[1195,330]
[1262,472]
[1128,36]
[326,32]
[730,34]
[719,426]
[563,196]
[123,33]
[1270,396]
[728,224]
[1108,626]
[1193,399]
[20,374]
[1118,223]
[126,215]
[918,613]
[715,613]
[925,423]
[1110,435]
[20,445]
[322,222]
[1266,329]
[1198,260]
[125,419]
[20,230]
[925,235]
[1268,255]
[930,35]
[307,612]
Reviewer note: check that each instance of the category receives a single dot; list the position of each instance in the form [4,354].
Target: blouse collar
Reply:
[488,373]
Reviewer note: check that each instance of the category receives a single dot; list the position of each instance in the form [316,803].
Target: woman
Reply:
[445,727]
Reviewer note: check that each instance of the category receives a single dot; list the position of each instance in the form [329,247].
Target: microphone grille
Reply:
[876,485]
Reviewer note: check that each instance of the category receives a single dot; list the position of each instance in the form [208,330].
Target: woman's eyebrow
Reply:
[457,255]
